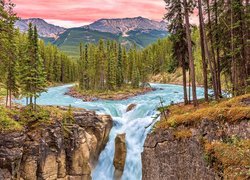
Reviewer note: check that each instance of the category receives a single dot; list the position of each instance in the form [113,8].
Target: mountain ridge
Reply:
[44,28]
[137,31]
[123,25]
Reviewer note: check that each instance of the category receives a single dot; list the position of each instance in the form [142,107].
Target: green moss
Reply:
[42,115]
[7,123]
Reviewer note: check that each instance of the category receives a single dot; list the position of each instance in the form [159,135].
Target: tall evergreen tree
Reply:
[190,55]
[40,75]
[175,15]
[9,49]
[119,70]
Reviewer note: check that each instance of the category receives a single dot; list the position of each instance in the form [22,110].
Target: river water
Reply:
[136,123]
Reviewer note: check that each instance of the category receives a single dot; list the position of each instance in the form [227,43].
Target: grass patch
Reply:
[231,110]
[7,123]
[43,115]
[183,134]
[231,160]
[17,119]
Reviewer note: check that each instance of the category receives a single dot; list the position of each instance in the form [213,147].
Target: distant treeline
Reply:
[109,66]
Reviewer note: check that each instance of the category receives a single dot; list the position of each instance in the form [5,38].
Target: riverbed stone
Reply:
[130,107]
[120,155]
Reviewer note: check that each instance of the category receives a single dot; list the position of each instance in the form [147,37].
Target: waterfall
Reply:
[136,123]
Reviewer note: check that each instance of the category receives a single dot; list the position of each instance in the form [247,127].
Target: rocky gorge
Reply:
[55,150]
[200,145]
[207,142]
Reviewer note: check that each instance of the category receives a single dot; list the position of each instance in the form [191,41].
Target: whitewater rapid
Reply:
[136,123]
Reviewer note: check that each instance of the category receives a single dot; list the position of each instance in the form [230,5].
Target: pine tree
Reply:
[86,67]
[40,75]
[204,62]
[81,66]
[125,64]
[175,14]
[119,70]
[111,80]
[10,50]
[135,77]
[33,77]
[190,55]
[101,64]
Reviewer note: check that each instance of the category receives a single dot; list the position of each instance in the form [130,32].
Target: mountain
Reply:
[45,29]
[128,31]
[125,25]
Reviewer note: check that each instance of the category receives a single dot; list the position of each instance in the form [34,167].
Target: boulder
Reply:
[131,107]
[120,155]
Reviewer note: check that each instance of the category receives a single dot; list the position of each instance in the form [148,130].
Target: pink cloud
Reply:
[85,11]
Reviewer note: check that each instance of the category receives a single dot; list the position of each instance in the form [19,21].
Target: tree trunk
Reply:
[189,87]
[247,36]
[204,63]
[10,99]
[242,61]
[35,103]
[211,61]
[7,98]
[184,81]
[218,71]
[233,60]
[31,102]
[190,55]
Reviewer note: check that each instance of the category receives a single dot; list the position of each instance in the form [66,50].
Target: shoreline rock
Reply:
[55,151]
[130,107]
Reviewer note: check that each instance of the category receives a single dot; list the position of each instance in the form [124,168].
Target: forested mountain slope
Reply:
[137,31]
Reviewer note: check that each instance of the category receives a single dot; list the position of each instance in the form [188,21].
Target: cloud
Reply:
[85,11]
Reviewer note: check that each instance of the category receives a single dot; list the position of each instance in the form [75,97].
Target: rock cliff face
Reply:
[120,155]
[170,156]
[55,151]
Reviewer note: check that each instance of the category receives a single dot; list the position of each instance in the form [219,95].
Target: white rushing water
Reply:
[136,123]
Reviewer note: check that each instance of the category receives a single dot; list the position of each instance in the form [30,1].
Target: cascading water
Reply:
[136,123]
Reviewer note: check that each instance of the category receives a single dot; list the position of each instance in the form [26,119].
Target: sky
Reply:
[73,13]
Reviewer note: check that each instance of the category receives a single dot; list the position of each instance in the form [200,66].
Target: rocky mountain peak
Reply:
[123,25]
[44,29]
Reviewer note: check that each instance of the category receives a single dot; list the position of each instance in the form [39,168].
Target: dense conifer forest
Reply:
[215,54]
[105,114]
[27,65]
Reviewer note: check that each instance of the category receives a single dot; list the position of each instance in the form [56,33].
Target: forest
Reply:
[214,54]
[27,65]
[223,42]
[176,109]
